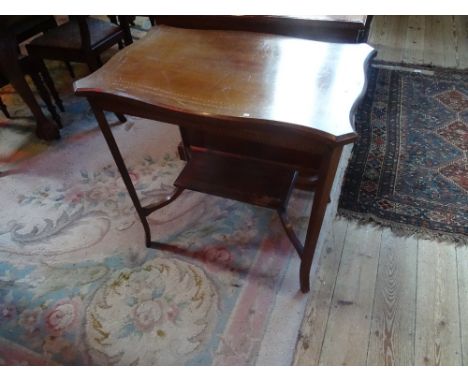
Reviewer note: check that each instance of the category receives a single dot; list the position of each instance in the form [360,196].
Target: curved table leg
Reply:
[9,66]
[326,177]
[290,232]
[143,211]
[325,182]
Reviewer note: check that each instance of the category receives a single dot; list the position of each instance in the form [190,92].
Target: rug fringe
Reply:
[427,67]
[405,230]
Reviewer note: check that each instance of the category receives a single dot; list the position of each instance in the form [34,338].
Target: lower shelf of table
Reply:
[244,179]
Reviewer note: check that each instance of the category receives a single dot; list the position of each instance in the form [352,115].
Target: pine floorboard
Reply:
[349,320]
[438,339]
[380,299]
[393,317]
[322,287]
[440,41]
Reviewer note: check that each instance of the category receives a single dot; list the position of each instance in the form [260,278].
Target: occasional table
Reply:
[273,106]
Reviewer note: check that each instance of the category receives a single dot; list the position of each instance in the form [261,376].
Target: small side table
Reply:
[273,107]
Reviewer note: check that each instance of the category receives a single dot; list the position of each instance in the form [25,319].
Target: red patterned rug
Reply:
[409,168]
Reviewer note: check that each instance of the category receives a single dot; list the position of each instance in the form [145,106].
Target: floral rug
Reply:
[77,284]
[409,168]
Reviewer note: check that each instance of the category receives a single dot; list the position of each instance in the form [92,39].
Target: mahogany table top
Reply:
[244,77]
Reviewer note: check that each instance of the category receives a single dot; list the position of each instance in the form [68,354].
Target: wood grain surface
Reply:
[300,84]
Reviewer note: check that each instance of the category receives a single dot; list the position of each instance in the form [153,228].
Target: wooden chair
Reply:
[30,26]
[81,39]
[20,29]
[38,73]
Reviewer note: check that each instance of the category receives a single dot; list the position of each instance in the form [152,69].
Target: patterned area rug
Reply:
[78,286]
[409,168]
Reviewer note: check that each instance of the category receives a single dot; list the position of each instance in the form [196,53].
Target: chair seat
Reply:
[3,80]
[67,36]
[23,25]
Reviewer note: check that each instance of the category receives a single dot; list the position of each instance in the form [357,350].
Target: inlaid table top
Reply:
[247,77]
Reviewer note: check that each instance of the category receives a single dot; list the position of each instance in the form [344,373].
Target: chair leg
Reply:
[4,109]
[121,117]
[124,22]
[49,83]
[45,97]
[93,62]
[70,69]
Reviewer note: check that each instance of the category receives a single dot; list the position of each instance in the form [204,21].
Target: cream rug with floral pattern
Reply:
[77,284]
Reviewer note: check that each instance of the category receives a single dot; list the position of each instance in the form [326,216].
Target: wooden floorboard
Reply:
[438,340]
[350,314]
[449,42]
[389,48]
[413,51]
[393,318]
[461,33]
[323,283]
[377,30]
[462,268]
[397,37]
[431,48]
[440,41]
[395,301]
[433,42]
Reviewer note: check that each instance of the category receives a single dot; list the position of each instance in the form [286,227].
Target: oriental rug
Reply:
[409,168]
[77,284]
